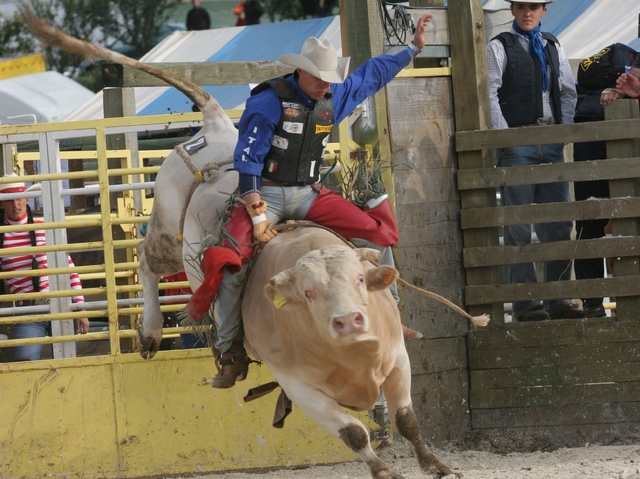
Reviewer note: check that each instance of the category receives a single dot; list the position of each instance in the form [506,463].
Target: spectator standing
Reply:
[252,12]
[17,212]
[531,83]
[597,75]
[198,17]
[239,13]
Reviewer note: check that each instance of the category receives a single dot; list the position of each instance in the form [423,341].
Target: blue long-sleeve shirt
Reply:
[262,111]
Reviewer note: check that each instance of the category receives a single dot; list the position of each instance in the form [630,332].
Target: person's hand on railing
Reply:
[629,84]
[82,325]
[610,94]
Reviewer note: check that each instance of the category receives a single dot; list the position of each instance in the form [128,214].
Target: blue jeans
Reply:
[547,232]
[291,202]
[31,352]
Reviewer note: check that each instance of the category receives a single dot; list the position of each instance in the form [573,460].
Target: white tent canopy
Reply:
[40,98]
[583,27]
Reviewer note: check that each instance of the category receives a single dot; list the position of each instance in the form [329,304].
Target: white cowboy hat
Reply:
[319,58]
[16,186]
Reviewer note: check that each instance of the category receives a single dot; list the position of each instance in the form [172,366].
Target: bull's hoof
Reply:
[387,473]
[148,346]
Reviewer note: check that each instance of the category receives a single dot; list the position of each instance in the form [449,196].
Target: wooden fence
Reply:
[563,382]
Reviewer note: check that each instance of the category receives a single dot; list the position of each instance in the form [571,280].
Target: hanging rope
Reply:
[396,26]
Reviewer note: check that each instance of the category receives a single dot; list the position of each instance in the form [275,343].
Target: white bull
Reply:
[336,338]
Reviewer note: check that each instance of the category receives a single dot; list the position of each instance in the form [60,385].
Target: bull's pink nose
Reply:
[349,324]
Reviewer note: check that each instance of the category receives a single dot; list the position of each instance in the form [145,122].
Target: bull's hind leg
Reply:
[149,333]
[326,412]
[397,391]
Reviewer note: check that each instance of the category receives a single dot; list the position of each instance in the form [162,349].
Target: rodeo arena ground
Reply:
[123,231]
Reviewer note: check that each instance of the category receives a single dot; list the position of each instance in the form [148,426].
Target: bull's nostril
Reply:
[359,319]
[339,325]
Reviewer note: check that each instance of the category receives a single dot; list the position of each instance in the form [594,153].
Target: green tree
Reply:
[15,39]
[282,9]
[136,23]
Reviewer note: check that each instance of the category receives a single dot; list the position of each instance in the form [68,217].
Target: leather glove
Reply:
[261,224]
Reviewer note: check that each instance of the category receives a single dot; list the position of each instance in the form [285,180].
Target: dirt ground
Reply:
[598,462]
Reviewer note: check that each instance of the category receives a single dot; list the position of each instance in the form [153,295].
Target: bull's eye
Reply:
[361,278]
[309,294]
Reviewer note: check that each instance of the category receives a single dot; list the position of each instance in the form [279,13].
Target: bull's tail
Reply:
[51,36]
[481,320]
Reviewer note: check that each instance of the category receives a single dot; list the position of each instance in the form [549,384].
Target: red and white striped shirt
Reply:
[22,239]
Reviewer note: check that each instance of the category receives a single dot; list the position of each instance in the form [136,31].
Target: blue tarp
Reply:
[246,46]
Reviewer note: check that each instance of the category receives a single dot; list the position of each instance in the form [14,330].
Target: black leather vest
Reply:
[300,136]
[520,96]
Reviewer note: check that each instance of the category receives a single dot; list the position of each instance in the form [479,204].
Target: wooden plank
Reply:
[616,370]
[607,247]
[437,355]
[200,73]
[472,112]
[616,168]
[424,145]
[626,308]
[425,186]
[425,224]
[420,99]
[545,135]
[548,334]
[606,413]
[531,438]
[440,401]
[549,212]
[553,333]
[586,288]
[554,395]
[517,357]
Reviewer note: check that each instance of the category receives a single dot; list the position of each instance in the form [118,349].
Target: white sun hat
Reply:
[319,58]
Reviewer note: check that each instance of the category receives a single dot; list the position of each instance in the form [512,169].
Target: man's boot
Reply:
[233,366]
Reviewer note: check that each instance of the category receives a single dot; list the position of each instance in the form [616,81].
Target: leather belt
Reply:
[266,182]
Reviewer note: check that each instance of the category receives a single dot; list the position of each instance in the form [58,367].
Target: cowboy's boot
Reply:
[233,366]
[411,334]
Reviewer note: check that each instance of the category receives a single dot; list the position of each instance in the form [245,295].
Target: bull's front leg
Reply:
[149,333]
[328,414]
[397,391]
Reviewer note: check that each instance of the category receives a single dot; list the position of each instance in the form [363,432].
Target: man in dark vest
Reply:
[530,83]
[281,138]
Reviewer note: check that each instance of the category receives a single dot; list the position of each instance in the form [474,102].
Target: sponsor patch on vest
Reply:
[323,129]
[272,166]
[292,127]
[324,114]
[280,142]
[292,112]
[194,145]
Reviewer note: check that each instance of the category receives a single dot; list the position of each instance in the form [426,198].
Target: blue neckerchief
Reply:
[536,50]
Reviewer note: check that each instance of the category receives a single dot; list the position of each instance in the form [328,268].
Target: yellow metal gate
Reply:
[96,409]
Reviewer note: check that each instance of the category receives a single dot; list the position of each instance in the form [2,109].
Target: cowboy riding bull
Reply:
[317,311]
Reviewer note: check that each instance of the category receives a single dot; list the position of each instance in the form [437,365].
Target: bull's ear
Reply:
[381,277]
[368,254]
[280,289]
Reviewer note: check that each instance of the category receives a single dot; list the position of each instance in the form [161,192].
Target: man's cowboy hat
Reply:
[319,58]
[531,1]
[16,186]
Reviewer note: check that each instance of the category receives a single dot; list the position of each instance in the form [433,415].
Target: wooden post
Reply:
[427,62]
[627,307]
[472,112]
[362,38]
[119,102]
